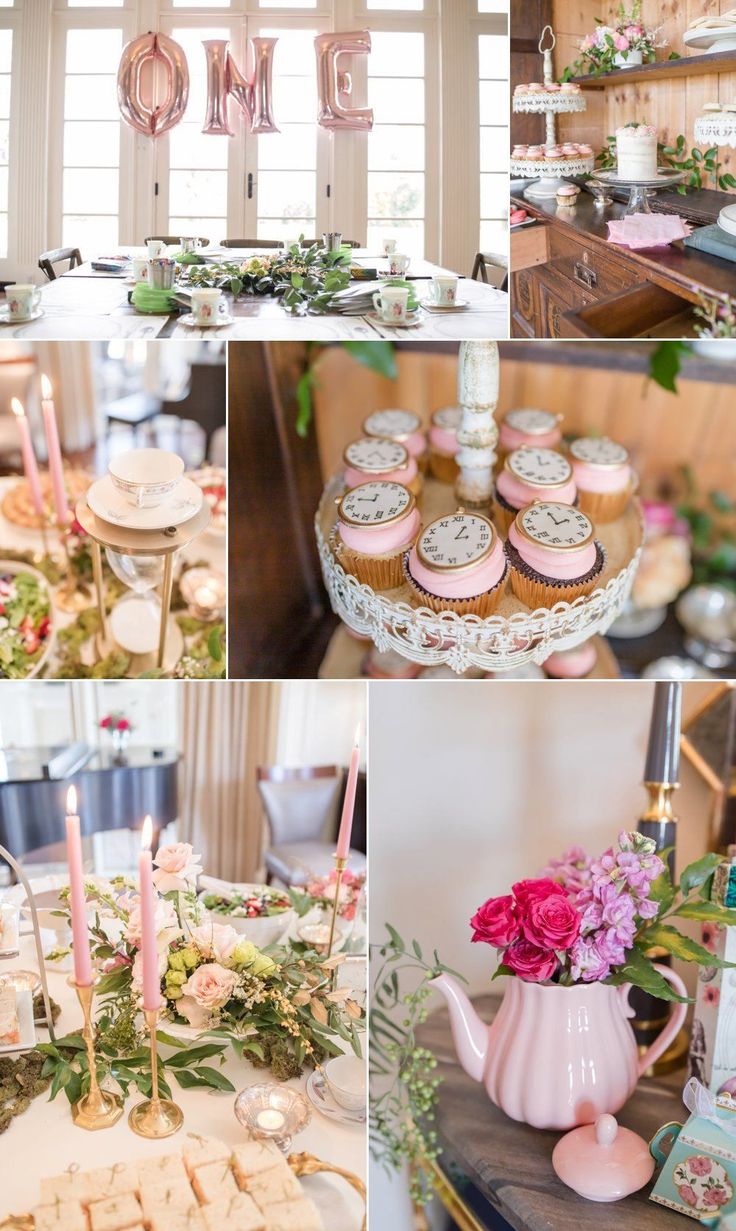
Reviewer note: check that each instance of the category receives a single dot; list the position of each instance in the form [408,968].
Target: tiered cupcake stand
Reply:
[549,177]
[514,635]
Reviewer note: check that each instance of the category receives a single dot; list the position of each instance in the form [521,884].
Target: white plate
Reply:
[460,305]
[25,1022]
[5,317]
[414,318]
[108,503]
[320,1097]
[189,319]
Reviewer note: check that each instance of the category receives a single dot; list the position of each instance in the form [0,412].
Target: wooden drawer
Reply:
[524,296]
[557,298]
[594,270]
[646,311]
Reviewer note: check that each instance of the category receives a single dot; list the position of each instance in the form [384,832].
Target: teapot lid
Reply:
[602,1161]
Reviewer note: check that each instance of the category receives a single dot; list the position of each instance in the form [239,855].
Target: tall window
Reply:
[396,151]
[494,118]
[287,164]
[91,179]
[6,51]
[197,163]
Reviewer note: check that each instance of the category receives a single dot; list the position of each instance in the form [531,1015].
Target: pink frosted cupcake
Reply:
[376,524]
[443,444]
[572,664]
[458,564]
[553,555]
[376,458]
[603,476]
[529,427]
[531,474]
[403,426]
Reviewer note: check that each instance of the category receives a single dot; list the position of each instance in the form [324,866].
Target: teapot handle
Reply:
[676,1020]
[673,1129]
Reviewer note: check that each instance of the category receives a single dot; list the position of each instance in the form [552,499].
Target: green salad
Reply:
[264,904]
[25,623]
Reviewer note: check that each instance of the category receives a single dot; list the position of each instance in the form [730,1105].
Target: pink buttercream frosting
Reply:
[519,494]
[444,439]
[416,444]
[353,477]
[509,438]
[600,478]
[560,565]
[378,540]
[572,664]
[463,584]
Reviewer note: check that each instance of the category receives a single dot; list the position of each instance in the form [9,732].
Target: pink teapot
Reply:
[554,1056]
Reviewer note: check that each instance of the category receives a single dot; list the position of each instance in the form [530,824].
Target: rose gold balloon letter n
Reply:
[251,93]
[135,84]
[335,87]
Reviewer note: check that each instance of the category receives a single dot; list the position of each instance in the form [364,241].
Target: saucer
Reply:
[189,319]
[5,317]
[460,305]
[320,1097]
[413,318]
[107,502]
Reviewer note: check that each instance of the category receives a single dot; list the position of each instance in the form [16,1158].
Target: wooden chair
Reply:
[175,239]
[497,262]
[57,256]
[301,809]
[251,243]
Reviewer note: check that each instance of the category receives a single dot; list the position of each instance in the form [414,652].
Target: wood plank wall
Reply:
[672,105]
[662,431]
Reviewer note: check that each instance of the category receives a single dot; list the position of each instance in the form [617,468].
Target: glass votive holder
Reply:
[273,1113]
[204,592]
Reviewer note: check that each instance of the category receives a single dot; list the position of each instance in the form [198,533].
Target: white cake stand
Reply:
[717,128]
[549,178]
[711,41]
[639,190]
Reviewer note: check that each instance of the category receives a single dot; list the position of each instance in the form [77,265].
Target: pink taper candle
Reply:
[80,931]
[348,808]
[56,466]
[149,947]
[30,465]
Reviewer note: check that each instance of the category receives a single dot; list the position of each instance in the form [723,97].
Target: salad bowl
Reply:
[26,621]
[260,913]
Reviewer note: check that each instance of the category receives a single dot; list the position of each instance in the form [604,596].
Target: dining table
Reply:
[44,1141]
[94,304]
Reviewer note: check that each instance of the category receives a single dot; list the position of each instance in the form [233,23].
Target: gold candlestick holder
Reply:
[340,866]
[72,595]
[156,1117]
[98,1108]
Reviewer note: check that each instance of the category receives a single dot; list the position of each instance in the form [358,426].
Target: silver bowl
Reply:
[708,615]
[292,1108]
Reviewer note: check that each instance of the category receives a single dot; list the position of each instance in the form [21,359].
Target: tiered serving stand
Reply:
[514,635]
[717,127]
[550,177]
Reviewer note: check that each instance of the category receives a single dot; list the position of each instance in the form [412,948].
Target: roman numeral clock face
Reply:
[392,423]
[375,504]
[555,525]
[455,542]
[532,422]
[599,452]
[376,456]
[543,467]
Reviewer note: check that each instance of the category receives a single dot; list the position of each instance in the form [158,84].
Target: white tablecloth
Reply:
[44,1141]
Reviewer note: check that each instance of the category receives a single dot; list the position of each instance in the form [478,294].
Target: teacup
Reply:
[208,305]
[444,290]
[388,246]
[146,477]
[346,1081]
[391,304]
[189,243]
[140,268]
[23,299]
[398,264]
[154,248]
[161,273]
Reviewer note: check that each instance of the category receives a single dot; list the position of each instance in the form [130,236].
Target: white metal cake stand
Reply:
[639,190]
[718,128]
[549,176]
[514,635]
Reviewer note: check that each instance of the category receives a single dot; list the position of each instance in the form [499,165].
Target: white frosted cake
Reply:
[636,152]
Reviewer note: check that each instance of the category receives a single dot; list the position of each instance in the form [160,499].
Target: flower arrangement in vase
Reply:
[625,44]
[320,892]
[118,727]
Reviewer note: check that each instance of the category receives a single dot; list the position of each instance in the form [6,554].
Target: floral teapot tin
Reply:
[698,1175]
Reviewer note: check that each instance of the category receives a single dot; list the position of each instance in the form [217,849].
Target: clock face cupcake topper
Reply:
[376,504]
[599,451]
[376,456]
[396,424]
[448,417]
[531,422]
[557,526]
[456,542]
[543,467]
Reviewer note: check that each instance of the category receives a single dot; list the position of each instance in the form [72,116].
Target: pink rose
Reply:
[215,940]
[177,867]
[688,1194]
[529,891]
[163,962]
[495,922]
[552,923]
[210,986]
[700,1165]
[167,924]
[529,962]
[633,32]
[719,1196]
[620,42]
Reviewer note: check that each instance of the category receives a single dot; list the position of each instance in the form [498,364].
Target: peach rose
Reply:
[209,987]
[215,940]
[177,867]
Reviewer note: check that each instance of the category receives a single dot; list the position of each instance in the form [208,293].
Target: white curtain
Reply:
[69,367]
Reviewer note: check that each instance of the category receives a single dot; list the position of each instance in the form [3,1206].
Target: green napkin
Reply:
[188,258]
[151,300]
[412,302]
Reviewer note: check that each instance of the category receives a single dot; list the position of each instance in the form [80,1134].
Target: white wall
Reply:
[474,786]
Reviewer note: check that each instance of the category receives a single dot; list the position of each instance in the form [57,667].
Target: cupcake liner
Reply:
[480,604]
[604,506]
[379,572]
[443,466]
[534,590]
[423,462]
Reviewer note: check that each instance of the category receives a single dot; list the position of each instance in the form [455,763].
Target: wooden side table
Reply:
[493,1166]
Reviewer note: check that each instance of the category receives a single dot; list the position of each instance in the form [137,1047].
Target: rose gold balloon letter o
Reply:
[252,94]
[331,83]
[135,100]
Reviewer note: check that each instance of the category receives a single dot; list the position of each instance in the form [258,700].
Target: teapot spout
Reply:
[469,1033]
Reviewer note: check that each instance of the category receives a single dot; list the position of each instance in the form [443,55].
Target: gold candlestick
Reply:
[98,1108]
[156,1117]
[340,866]
[73,595]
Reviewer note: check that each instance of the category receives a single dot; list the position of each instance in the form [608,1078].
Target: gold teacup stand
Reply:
[126,542]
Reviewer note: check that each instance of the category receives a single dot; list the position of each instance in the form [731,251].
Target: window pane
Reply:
[414,6]
[3,234]
[291,149]
[409,236]
[287,194]
[91,144]
[494,149]
[97,50]
[397,195]
[391,97]
[494,237]
[95,4]
[190,147]
[91,95]
[493,56]
[494,102]
[494,193]
[191,39]
[287,230]
[288,4]
[295,100]
[94,236]
[4,142]
[6,48]
[396,147]
[212,229]
[294,53]
[396,55]
[197,192]
[4,95]
[93,190]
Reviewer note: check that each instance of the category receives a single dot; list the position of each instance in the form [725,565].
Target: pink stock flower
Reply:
[552,923]
[528,891]
[618,915]
[572,870]
[496,922]
[529,962]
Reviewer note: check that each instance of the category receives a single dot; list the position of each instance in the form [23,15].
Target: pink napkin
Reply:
[647,230]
